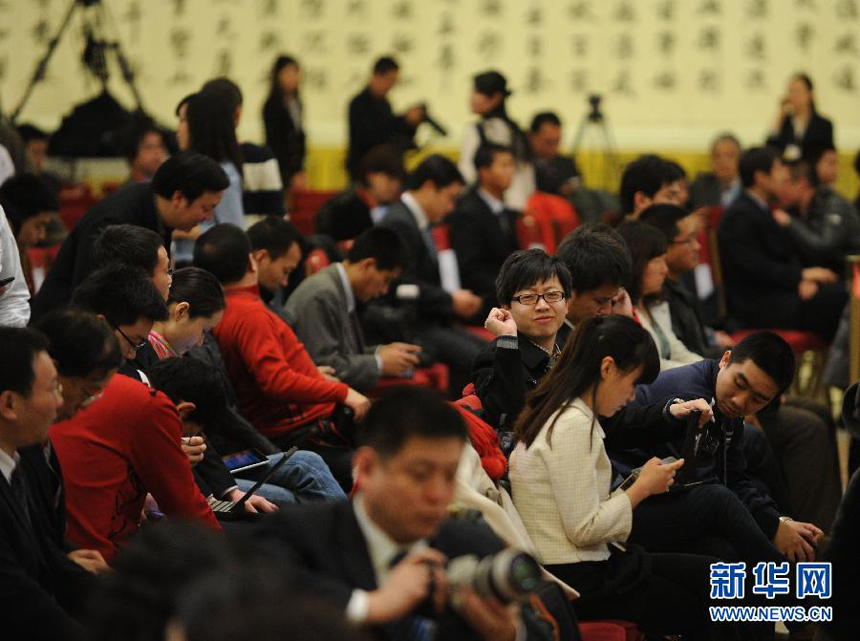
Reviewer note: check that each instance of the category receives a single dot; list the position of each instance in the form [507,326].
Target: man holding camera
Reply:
[381,557]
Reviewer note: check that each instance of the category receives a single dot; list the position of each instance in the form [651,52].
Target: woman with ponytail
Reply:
[561,477]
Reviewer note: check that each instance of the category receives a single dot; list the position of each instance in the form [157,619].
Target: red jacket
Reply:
[112,453]
[278,387]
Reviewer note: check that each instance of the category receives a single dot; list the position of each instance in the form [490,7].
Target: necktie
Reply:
[431,244]
[412,627]
[19,489]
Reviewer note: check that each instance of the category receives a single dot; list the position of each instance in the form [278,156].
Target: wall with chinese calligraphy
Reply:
[672,72]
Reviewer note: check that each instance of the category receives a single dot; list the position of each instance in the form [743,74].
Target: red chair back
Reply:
[556,215]
[304,205]
[317,260]
[75,201]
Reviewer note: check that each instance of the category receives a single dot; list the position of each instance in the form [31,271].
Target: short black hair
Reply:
[28,131]
[544,118]
[771,353]
[648,174]
[130,245]
[20,346]
[674,172]
[200,289]
[384,64]
[275,235]
[664,217]
[595,255]
[25,196]
[223,251]
[526,268]
[725,136]
[438,169]
[194,381]
[486,154]
[134,134]
[82,345]
[798,169]
[405,413]
[382,159]
[227,91]
[122,294]
[382,244]
[645,243]
[189,173]
[756,159]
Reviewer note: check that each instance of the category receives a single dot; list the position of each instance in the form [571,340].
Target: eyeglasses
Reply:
[136,346]
[532,299]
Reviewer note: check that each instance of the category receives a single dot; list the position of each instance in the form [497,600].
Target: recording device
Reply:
[232,510]
[510,575]
[595,115]
[6,281]
[430,121]
[244,460]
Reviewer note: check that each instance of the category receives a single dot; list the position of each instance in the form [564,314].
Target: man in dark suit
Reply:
[766,285]
[721,185]
[371,120]
[554,173]
[484,231]
[381,555]
[39,585]
[324,309]
[182,194]
[433,188]
[377,185]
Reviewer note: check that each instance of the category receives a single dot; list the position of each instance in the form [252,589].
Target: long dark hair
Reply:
[578,369]
[275,91]
[489,84]
[805,79]
[211,128]
[200,289]
[645,243]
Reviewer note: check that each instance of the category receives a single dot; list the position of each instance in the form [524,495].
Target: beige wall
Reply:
[648,57]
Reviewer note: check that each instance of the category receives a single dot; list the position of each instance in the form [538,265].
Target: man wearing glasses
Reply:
[533,288]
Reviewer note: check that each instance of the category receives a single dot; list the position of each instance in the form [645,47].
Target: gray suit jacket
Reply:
[321,321]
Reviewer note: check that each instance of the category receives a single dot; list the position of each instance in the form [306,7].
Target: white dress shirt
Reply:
[8,465]
[15,297]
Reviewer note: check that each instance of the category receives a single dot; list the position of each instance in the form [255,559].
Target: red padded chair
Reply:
[610,630]
[304,205]
[317,260]
[555,215]
[434,377]
[75,201]
[529,234]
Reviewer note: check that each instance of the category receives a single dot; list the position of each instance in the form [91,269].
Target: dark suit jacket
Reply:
[326,541]
[433,301]
[818,135]
[38,583]
[372,123]
[134,205]
[285,139]
[760,268]
[481,242]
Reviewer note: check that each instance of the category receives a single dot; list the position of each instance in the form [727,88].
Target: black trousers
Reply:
[707,519]
[453,346]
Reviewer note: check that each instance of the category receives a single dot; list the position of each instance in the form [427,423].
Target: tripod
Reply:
[94,57]
[595,119]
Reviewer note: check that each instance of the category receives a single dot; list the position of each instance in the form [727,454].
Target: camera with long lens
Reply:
[510,575]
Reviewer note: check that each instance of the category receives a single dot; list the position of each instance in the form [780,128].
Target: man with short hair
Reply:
[276,245]
[649,179]
[823,225]
[128,443]
[377,185]
[722,185]
[324,309]
[278,387]
[380,555]
[741,383]
[135,246]
[766,284]
[433,189]
[371,120]
[554,173]
[182,194]
[483,230]
[40,588]
[532,290]
[599,264]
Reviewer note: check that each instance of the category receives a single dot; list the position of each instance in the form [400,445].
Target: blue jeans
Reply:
[304,478]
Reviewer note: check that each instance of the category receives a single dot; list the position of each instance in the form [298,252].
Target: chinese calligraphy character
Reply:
[624,47]
[579,79]
[666,42]
[710,6]
[666,81]
[580,11]
[709,38]
[757,9]
[666,10]
[756,47]
[357,44]
[804,33]
[624,12]
[846,44]
[846,80]
[847,9]
[402,10]
[709,81]
[312,8]
[727,580]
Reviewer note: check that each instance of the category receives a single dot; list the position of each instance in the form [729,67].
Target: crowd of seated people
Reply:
[204,434]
